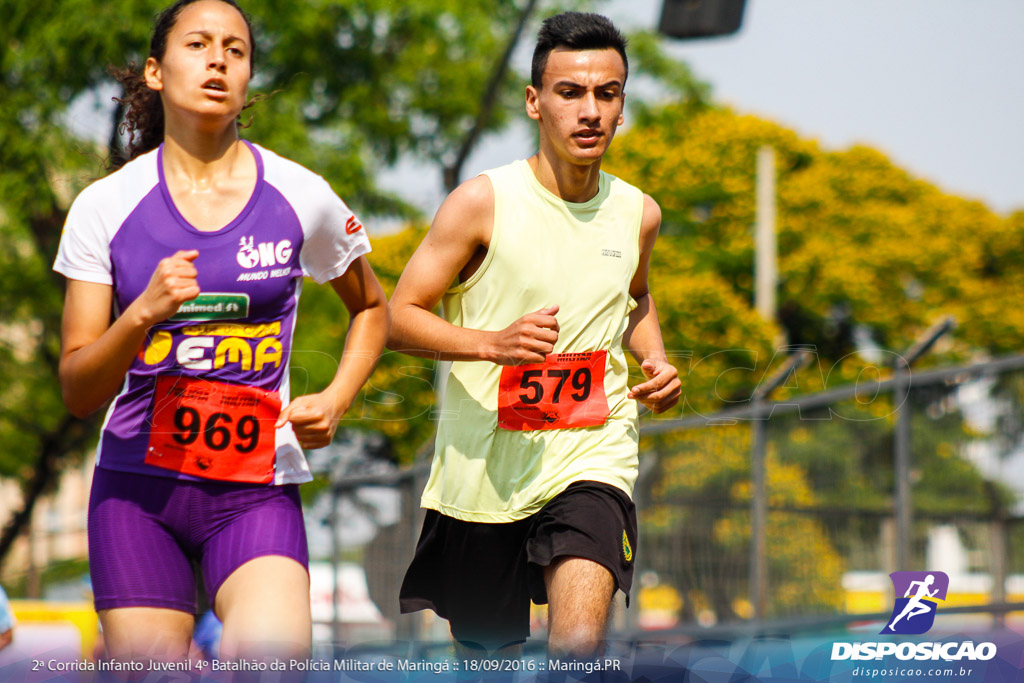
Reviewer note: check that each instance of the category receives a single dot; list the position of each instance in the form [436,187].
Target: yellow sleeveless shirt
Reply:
[543,251]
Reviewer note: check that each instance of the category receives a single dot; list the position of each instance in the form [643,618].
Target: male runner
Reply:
[529,493]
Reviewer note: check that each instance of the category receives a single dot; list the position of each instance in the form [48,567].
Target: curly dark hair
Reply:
[143,110]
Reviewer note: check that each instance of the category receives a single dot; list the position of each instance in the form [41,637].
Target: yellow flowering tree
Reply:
[861,242]
[869,256]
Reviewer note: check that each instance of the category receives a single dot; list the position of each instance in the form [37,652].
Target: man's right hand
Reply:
[528,340]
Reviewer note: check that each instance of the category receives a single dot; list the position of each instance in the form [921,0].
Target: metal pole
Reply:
[335,583]
[759,516]
[765,281]
[641,500]
[441,370]
[901,444]
[766,260]
[901,438]
[411,490]
[997,531]
[759,496]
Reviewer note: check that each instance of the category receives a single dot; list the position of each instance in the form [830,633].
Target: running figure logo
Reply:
[914,613]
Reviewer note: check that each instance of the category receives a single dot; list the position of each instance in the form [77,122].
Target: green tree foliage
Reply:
[355,85]
[52,51]
[359,83]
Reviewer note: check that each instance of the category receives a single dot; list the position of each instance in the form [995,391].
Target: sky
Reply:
[937,85]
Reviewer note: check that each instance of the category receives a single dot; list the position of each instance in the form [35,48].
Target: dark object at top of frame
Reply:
[700,18]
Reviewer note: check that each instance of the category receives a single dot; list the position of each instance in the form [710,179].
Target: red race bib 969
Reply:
[565,391]
[214,430]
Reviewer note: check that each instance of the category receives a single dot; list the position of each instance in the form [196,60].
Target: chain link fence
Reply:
[832,519]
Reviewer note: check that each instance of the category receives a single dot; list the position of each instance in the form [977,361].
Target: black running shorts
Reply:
[481,577]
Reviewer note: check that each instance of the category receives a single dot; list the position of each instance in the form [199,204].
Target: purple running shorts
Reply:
[145,531]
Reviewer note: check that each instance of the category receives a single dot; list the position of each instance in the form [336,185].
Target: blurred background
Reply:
[840,278]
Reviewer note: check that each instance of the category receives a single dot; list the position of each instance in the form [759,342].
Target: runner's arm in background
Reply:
[315,417]
[95,354]
[6,621]
[661,388]
[461,230]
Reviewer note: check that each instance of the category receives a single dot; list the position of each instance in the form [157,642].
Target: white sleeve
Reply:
[97,214]
[84,252]
[334,236]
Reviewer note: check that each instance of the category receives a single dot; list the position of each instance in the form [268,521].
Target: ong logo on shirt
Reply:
[914,612]
[264,254]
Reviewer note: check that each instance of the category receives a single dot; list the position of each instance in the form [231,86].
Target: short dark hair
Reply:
[575,31]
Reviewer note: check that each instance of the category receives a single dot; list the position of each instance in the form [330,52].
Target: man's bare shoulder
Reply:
[467,212]
[472,199]
[650,222]
[652,213]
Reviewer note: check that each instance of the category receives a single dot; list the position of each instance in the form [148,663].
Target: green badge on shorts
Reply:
[627,550]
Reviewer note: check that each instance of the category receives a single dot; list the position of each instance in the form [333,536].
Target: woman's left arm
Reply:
[315,417]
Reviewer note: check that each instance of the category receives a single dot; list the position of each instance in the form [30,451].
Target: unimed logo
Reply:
[914,612]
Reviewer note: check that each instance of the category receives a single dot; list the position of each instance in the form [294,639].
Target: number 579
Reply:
[581,382]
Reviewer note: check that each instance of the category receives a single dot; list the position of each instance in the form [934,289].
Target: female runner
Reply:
[199,245]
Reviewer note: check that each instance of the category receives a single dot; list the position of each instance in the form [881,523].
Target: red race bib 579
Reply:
[214,430]
[565,391]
